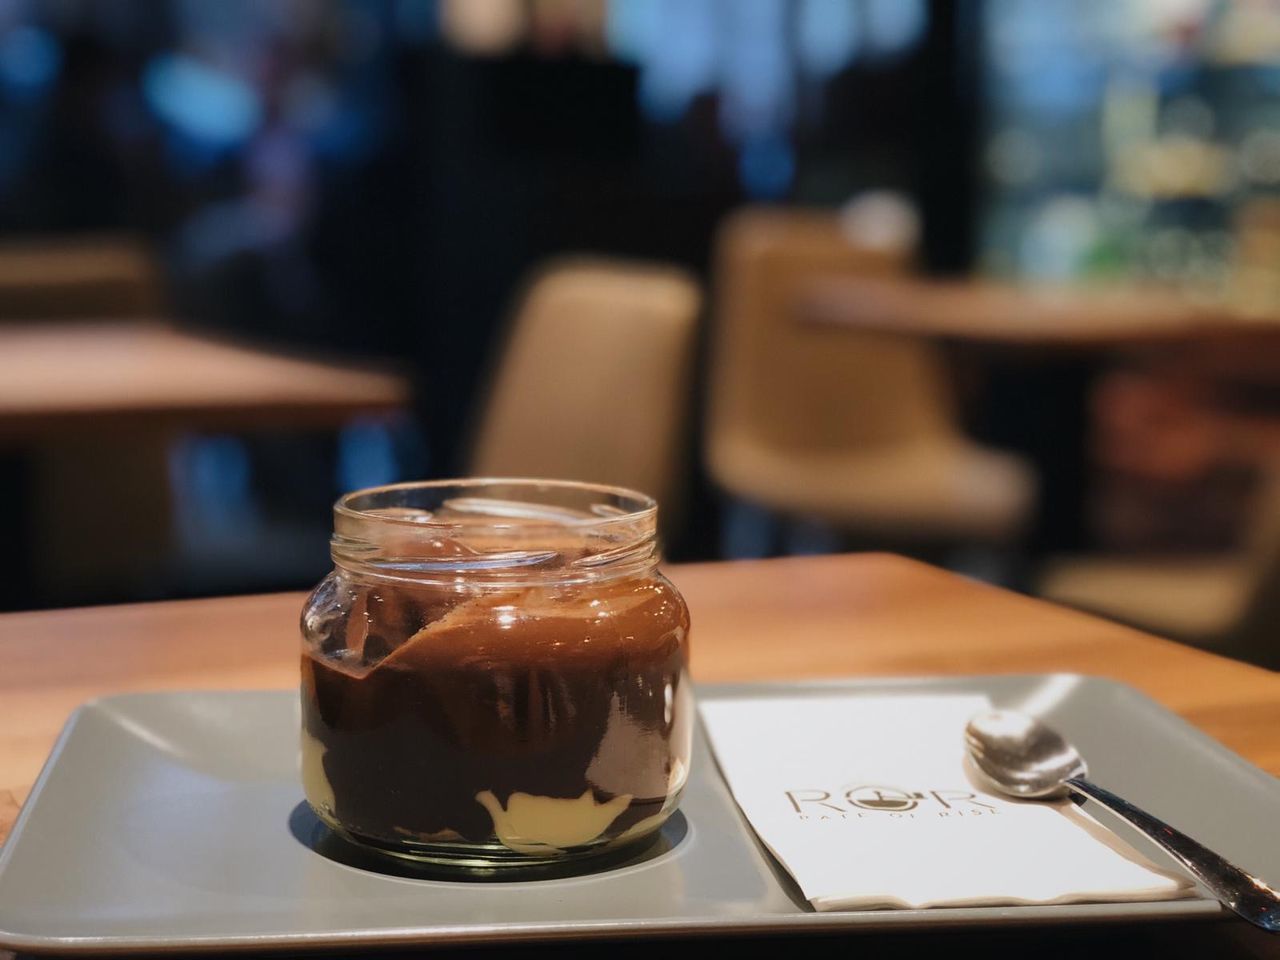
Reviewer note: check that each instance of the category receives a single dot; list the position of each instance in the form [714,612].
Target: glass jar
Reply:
[495,673]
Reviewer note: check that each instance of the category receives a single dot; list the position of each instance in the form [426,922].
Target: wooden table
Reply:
[87,377]
[1036,350]
[95,406]
[854,615]
[1026,315]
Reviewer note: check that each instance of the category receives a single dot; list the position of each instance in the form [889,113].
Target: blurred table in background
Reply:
[75,377]
[1036,350]
[1026,315]
[97,404]
[75,277]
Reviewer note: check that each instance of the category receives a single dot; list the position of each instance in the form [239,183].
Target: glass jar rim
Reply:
[496,530]
[645,507]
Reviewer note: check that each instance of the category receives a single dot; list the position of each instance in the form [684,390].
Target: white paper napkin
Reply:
[867,802]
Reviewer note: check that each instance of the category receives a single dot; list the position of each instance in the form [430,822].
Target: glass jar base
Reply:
[491,857]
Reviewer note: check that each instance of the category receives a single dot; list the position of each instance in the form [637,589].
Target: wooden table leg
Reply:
[103,524]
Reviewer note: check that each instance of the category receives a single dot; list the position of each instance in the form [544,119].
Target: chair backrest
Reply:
[787,384]
[594,380]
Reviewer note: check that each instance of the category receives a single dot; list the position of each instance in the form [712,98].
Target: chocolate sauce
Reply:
[549,718]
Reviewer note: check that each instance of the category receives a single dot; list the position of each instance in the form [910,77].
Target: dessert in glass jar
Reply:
[495,673]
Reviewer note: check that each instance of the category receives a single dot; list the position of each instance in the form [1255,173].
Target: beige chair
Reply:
[1227,602]
[92,277]
[851,429]
[594,381]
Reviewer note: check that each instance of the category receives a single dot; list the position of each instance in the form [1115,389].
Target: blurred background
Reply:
[995,283]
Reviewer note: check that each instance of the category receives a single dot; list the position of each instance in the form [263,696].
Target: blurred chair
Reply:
[594,380]
[81,278]
[854,430]
[1227,602]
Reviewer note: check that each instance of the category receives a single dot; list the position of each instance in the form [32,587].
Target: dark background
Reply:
[400,226]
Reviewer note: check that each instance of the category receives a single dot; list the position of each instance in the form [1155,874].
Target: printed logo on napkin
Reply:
[867,802]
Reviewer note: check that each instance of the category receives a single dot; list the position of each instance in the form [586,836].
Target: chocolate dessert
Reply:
[539,721]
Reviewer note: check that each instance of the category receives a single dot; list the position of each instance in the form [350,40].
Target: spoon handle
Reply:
[1246,895]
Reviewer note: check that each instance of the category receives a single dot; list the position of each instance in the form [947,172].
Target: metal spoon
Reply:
[1025,758]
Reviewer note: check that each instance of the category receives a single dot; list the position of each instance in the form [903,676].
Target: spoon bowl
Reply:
[1022,756]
